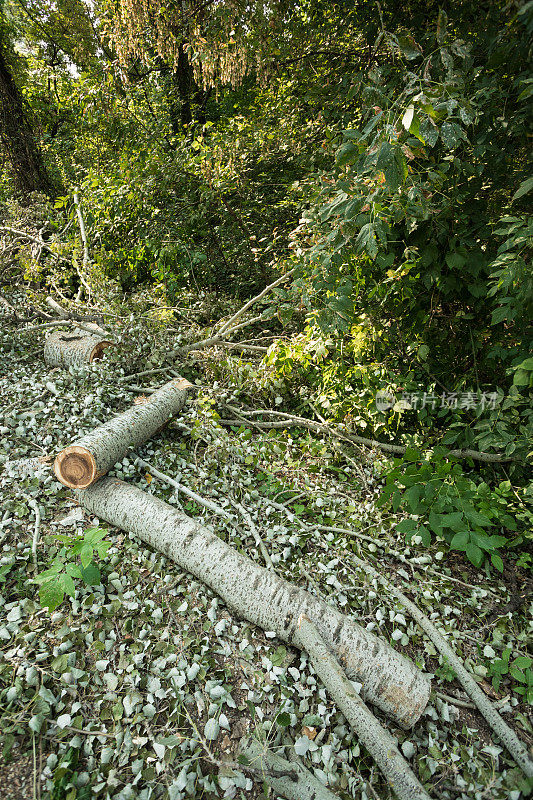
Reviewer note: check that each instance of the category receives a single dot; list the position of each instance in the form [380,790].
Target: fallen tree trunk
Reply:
[389,680]
[375,738]
[502,730]
[74,348]
[85,461]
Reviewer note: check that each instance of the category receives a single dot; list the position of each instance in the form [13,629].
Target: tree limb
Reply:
[502,730]
[375,738]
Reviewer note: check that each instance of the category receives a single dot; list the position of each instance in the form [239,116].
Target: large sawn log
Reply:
[74,348]
[85,461]
[389,680]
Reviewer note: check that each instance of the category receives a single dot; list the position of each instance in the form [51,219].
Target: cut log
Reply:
[389,680]
[374,736]
[74,348]
[85,461]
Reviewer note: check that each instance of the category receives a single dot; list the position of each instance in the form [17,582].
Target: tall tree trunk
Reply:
[17,136]
[191,101]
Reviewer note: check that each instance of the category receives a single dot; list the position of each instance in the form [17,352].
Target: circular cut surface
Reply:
[75,467]
[98,351]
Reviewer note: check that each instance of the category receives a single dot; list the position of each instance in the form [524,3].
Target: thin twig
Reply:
[36,528]
[180,488]
[259,542]
[230,323]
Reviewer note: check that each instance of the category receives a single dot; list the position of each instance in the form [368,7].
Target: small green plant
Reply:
[443,501]
[520,669]
[65,779]
[75,561]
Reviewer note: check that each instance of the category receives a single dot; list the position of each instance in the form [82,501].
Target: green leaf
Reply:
[73,570]
[497,562]
[102,548]
[525,187]
[527,364]
[385,156]
[476,518]
[279,656]
[346,154]
[94,535]
[67,584]
[413,496]
[366,240]
[523,662]
[414,129]
[454,520]
[474,554]
[407,526]
[51,595]
[91,575]
[451,134]
[392,176]
[435,522]
[283,719]
[517,674]
[425,535]
[460,541]
[86,555]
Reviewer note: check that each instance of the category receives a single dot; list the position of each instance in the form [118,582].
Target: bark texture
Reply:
[16,134]
[73,348]
[504,732]
[389,679]
[288,778]
[85,461]
[378,741]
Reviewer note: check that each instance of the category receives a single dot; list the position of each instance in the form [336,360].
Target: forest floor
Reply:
[110,695]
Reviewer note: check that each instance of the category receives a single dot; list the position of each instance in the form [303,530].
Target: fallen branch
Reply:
[291,420]
[77,318]
[254,593]
[502,730]
[228,328]
[288,778]
[231,322]
[94,454]
[212,340]
[41,325]
[183,489]
[375,738]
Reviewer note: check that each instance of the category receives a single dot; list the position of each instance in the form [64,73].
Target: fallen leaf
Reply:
[309,732]
[488,689]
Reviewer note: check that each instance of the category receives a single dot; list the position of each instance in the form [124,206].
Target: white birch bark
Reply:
[389,680]
[375,738]
[85,461]
[288,778]
[73,348]
[502,730]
